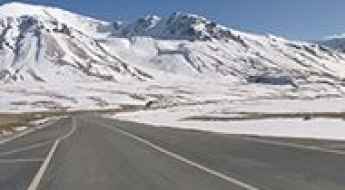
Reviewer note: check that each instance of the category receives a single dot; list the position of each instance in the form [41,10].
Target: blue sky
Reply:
[294,19]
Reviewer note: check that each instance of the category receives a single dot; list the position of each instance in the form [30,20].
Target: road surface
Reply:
[89,152]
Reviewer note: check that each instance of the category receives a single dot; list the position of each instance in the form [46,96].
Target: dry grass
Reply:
[257,116]
[9,121]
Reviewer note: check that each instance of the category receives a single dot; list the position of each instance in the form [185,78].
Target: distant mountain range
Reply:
[41,44]
[46,45]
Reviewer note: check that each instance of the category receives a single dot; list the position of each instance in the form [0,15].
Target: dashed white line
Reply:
[184,160]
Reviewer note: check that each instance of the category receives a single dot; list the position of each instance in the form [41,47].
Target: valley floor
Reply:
[313,111]
[320,119]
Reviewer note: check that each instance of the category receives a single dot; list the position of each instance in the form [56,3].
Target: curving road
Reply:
[89,152]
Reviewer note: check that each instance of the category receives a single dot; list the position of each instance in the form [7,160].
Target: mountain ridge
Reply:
[62,60]
[151,48]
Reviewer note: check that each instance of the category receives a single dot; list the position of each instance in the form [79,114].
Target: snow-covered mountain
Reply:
[336,42]
[178,26]
[44,45]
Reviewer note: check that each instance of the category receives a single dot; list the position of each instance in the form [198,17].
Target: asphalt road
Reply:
[89,152]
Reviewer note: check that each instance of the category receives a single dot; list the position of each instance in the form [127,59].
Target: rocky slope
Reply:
[44,46]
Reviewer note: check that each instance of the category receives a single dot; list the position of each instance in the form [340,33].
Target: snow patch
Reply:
[318,128]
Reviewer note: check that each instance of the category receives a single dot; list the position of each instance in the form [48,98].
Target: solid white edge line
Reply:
[185,160]
[74,128]
[37,179]
[295,145]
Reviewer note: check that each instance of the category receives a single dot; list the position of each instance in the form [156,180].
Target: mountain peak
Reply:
[186,15]
[152,17]
[87,25]
[179,25]
[149,21]
[17,4]
[17,9]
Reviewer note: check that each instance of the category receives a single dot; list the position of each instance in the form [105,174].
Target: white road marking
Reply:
[22,149]
[294,145]
[9,161]
[35,182]
[74,128]
[26,132]
[184,160]
[14,137]
[37,179]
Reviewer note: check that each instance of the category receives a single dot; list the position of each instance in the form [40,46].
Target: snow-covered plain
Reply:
[184,64]
[317,128]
